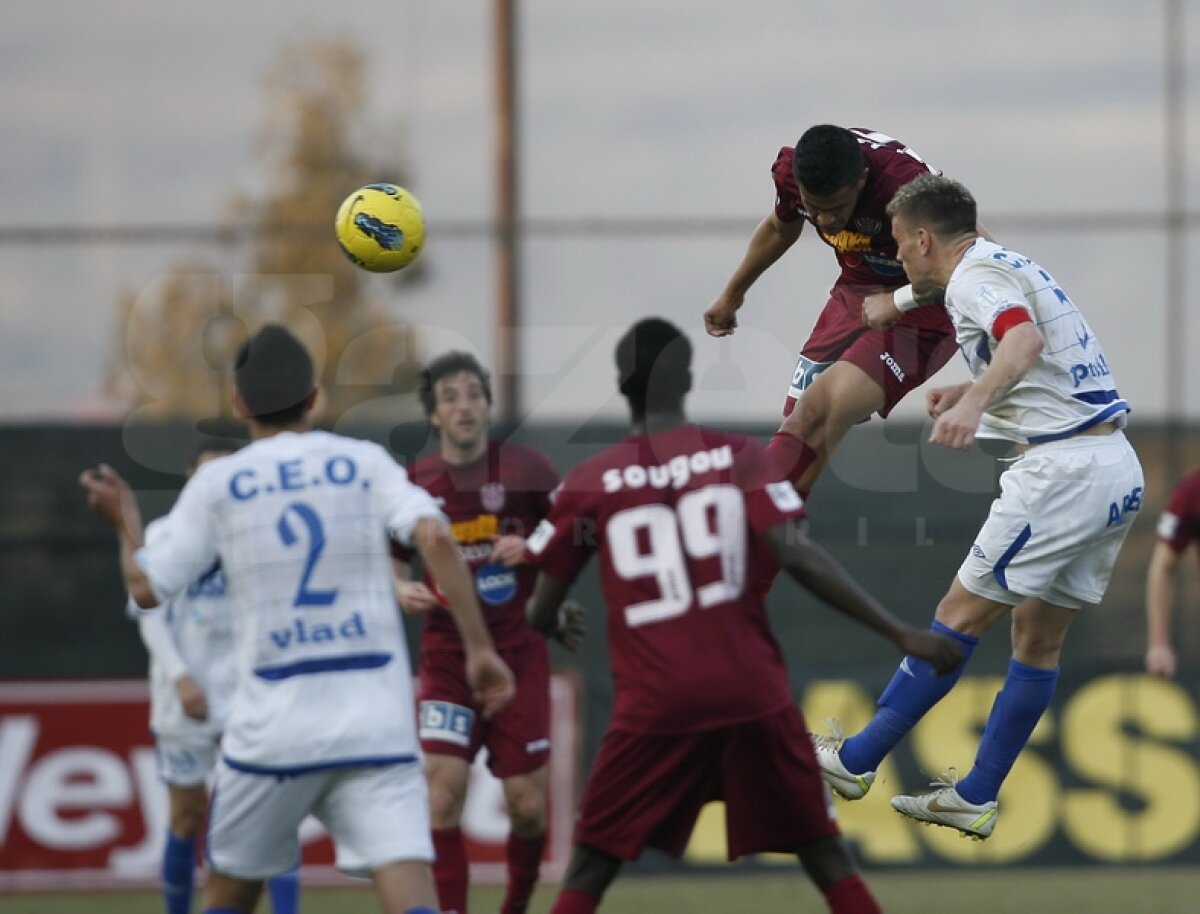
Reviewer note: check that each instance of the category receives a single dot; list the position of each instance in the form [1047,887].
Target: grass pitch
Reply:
[1095,890]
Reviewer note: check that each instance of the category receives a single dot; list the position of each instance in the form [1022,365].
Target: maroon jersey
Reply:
[676,517]
[1179,524]
[866,250]
[505,491]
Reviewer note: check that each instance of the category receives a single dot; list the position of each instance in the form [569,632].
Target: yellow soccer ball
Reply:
[381,227]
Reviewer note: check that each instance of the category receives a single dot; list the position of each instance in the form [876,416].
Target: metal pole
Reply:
[1176,254]
[508,250]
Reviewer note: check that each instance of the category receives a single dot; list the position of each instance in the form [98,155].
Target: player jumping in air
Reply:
[1066,503]
[702,707]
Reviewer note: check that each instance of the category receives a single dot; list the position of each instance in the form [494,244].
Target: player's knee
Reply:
[1035,647]
[527,813]
[445,805]
[187,818]
[808,417]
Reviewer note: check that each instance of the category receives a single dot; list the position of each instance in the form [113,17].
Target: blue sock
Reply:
[912,692]
[1015,712]
[420,911]
[178,867]
[285,891]
[222,911]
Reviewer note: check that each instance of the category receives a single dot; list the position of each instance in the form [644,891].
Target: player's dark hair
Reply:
[654,366]
[449,364]
[827,159]
[937,203]
[273,374]
[212,444]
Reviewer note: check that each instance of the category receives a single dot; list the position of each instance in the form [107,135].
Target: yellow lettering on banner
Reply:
[707,844]
[1103,741]
[949,736]
[881,835]
[483,527]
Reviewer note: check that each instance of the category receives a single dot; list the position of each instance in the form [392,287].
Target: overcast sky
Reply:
[117,113]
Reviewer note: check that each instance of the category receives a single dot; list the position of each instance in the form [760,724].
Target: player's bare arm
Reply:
[509,550]
[821,575]
[1013,358]
[415,597]
[550,613]
[489,676]
[769,242]
[1160,603]
[111,498]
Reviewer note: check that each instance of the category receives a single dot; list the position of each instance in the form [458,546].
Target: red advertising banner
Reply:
[81,805]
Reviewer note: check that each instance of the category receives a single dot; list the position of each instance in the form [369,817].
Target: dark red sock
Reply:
[573,901]
[851,896]
[524,857]
[791,455]
[450,870]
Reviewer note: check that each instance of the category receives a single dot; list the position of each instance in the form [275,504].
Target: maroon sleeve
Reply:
[787,193]
[543,479]
[1179,524]
[770,499]
[565,540]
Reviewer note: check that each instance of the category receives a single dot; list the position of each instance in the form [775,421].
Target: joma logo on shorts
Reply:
[886,358]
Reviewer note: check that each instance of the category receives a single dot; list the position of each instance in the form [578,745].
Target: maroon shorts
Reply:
[517,739]
[646,790]
[899,360]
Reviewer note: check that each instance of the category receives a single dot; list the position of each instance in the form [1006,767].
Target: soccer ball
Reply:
[380,227]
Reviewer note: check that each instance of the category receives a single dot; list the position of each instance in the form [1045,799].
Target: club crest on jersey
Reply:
[492,496]
[495,584]
[868,224]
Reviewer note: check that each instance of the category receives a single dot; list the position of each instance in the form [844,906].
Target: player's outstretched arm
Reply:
[769,242]
[825,579]
[1160,604]
[111,498]
[490,678]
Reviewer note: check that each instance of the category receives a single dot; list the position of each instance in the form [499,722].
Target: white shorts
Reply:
[1064,510]
[185,761]
[375,815]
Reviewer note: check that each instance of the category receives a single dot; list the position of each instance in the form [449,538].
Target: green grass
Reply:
[1093,890]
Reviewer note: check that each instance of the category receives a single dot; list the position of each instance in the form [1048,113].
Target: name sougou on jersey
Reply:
[1070,387]
[199,624]
[677,519]
[300,523]
[506,491]
[865,249]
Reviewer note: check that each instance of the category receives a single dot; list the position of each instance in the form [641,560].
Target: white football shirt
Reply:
[300,524]
[1070,387]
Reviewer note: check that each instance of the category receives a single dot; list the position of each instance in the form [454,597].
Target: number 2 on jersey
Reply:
[707,523]
[316,545]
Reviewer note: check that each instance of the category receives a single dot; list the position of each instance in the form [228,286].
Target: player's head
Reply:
[831,171]
[929,214]
[456,392]
[654,367]
[273,376]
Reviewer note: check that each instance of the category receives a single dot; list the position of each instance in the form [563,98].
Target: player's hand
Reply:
[956,426]
[191,698]
[107,493]
[721,317]
[415,597]
[940,399]
[491,681]
[509,550]
[940,650]
[1160,661]
[571,627]
[879,311]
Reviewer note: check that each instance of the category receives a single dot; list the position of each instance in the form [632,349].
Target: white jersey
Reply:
[191,634]
[1070,387]
[300,524]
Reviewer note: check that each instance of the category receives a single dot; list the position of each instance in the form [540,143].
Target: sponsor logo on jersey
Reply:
[848,242]
[676,473]
[446,722]
[483,527]
[1097,368]
[492,496]
[495,584]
